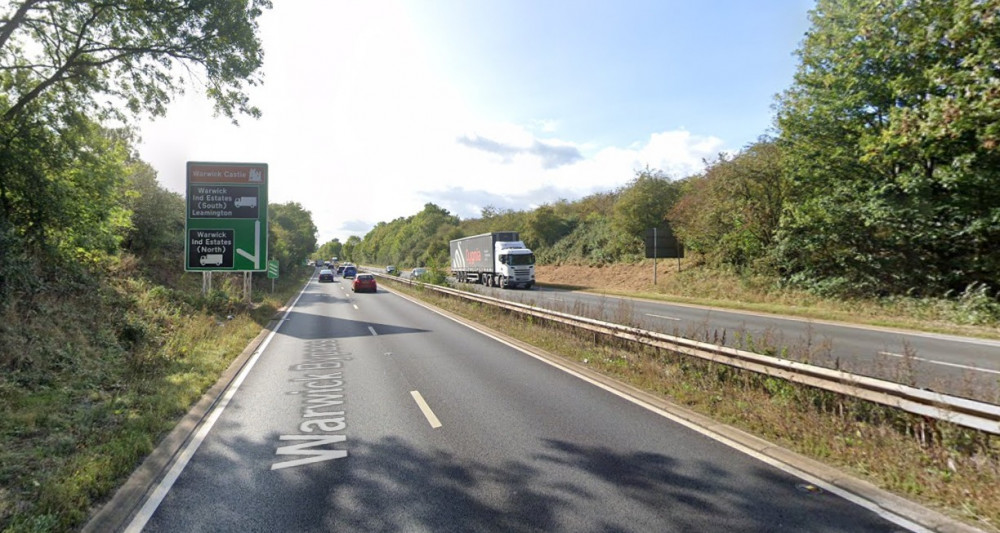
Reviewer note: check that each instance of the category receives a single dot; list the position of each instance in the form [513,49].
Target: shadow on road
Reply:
[391,485]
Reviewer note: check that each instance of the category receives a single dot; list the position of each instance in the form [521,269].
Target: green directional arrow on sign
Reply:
[226,217]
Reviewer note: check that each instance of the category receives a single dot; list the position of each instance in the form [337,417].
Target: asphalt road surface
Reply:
[962,366]
[371,413]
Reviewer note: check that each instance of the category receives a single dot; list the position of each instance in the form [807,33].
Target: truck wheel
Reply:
[504,283]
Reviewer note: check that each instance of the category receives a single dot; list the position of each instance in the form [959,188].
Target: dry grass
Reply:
[940,465]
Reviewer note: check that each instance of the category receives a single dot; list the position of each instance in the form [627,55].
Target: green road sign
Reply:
[226,217]
[272,268]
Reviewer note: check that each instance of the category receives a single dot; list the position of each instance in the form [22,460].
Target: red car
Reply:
[364,282]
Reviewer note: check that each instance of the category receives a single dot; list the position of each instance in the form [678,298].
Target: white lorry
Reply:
[211,259]
[246,201]
[496,259]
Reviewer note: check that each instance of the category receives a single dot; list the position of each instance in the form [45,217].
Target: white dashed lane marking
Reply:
[426,409]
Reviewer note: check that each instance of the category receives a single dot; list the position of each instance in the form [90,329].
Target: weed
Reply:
[81,404]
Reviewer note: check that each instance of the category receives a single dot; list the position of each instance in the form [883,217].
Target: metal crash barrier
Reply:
[964,412]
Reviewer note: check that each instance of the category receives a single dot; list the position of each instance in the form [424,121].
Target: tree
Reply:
[352,242]
[892,135]
[330,249]
[63,190]
[66,66]
[157,216]
[643,204]
[79,49]
[406,241]
[731,213]
[292,235]
[545,227]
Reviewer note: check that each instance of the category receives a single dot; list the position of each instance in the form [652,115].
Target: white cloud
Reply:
[359,129]
[517,177]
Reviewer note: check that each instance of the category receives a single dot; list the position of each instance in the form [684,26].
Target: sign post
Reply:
[272,272]
[226,223]
[663,243]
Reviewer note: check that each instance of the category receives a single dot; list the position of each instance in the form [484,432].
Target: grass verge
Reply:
[940,465]
[973,313]
[90,399]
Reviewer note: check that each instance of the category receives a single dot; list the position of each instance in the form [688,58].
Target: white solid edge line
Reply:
[898,331]
[156,498]
[789,469]
[426,409]
[942,363]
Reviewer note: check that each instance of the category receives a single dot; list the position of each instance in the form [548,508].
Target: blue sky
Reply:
[612,72]
[372,109]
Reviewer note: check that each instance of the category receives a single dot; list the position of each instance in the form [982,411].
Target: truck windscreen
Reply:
[521,259]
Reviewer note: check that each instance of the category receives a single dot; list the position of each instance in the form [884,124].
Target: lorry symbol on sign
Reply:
[211,259]
[246,201]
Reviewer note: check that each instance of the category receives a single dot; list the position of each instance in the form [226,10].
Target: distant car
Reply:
[350,272]
[417,272]
[325,275]
[340,269]
[364,282]
[390,269]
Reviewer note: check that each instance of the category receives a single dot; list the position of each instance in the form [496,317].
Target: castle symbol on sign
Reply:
[256,175]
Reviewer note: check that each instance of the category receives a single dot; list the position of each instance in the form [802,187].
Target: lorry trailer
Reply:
[497,259]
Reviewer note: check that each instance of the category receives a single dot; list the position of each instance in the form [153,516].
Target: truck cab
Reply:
[515,265]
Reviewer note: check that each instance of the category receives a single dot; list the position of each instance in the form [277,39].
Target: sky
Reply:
[373,109]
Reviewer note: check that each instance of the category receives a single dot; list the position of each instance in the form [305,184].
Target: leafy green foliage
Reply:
[494,219]
[71,51]
[63,189]
[410,241]
[66,66]
[291,234]
[730,214]
[545,227]
[158,219]
[893,148]
[329,250]
[643,204]
[350,246]
[97,360]
[592,242]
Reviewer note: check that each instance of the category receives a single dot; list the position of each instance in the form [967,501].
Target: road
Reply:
[369,412]
[963,366]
